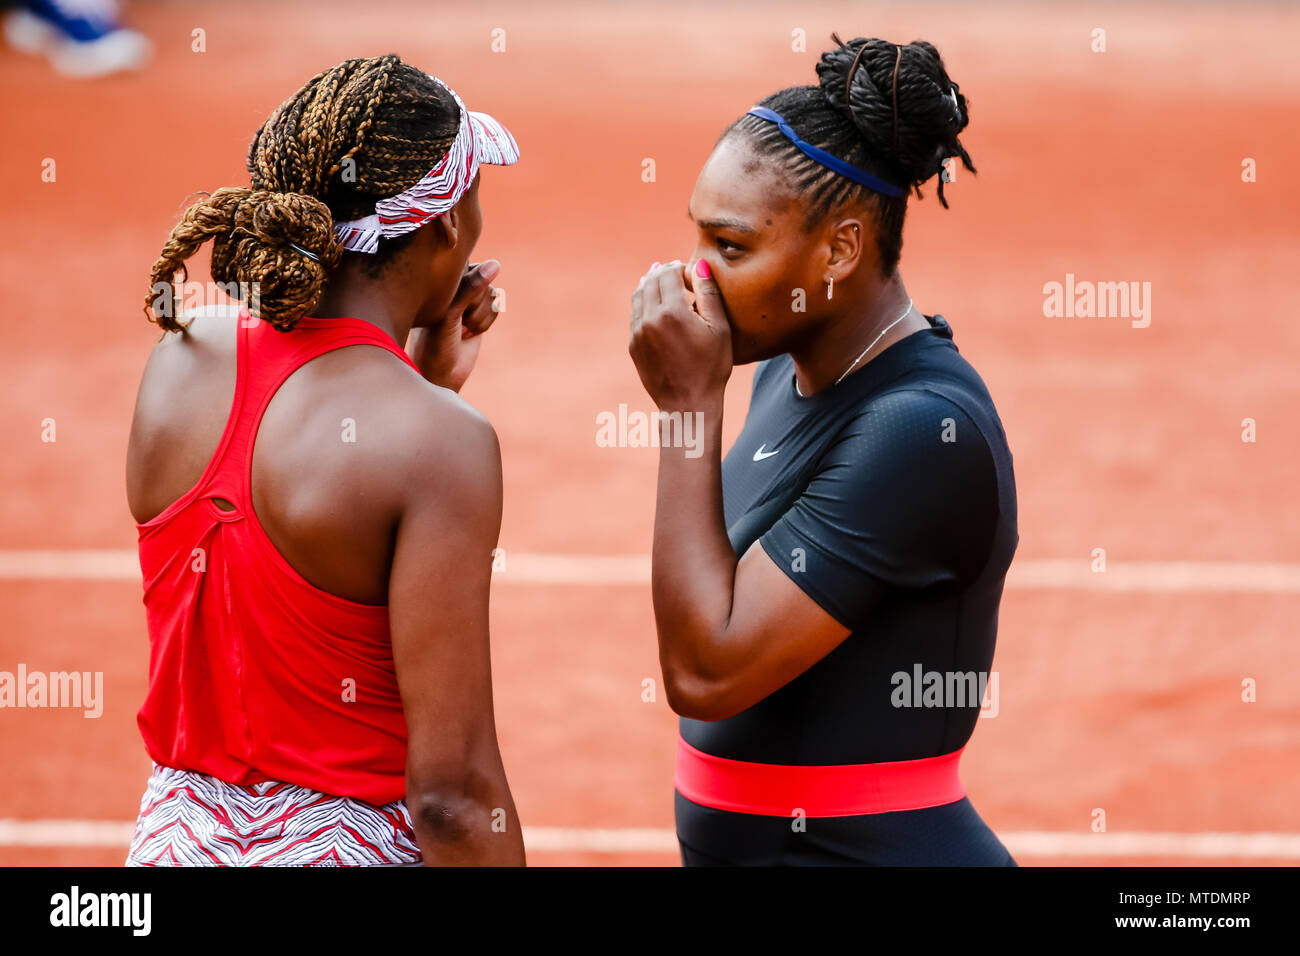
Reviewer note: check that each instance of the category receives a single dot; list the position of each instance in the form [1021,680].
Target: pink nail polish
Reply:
[702,269]
[654,265]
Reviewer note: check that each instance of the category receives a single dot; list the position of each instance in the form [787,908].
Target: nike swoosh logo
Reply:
[759,455]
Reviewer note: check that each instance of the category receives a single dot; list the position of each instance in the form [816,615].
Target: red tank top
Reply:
[254,673]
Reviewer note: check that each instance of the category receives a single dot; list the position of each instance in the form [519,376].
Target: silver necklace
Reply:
[864,351]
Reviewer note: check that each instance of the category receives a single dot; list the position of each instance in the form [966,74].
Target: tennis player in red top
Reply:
[317,508]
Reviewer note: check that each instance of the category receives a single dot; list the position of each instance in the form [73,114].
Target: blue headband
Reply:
[847,170]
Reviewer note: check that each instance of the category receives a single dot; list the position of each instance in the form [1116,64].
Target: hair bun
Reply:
[901,100]
[258,251]
[253,235]
[285,217]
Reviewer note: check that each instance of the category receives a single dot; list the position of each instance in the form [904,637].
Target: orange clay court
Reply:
[1119,692]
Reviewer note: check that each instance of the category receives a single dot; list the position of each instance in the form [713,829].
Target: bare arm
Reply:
[730,631]
[438,607]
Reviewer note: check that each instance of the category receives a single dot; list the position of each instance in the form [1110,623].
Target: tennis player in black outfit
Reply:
[827,598]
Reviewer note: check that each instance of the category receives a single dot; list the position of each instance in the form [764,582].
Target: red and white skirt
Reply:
[192,819]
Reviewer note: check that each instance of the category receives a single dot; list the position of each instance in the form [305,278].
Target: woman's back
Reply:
[323,483]
[316,508]
[259,673]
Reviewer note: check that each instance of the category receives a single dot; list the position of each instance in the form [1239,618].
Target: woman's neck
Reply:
[830,355]
[356,296]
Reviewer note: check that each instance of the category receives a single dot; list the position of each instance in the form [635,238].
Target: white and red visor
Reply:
[481,139]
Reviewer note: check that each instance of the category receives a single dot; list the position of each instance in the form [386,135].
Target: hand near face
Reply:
[445,351]
[682,350]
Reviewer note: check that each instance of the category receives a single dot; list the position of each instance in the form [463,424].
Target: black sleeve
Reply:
[905,498]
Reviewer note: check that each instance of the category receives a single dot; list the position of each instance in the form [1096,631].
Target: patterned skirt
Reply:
[192,819]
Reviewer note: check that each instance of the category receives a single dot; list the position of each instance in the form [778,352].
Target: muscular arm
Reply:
[438,607]
[730,632]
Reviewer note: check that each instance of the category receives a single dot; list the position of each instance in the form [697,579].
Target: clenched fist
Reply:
[445,351]
[681,342]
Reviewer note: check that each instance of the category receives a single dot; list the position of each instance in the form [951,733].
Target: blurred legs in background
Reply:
[79,37]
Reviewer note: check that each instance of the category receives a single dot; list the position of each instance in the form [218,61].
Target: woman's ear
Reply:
[848,243]
[446,228]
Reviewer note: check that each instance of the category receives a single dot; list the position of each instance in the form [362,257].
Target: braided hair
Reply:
[890,110]
[360,132]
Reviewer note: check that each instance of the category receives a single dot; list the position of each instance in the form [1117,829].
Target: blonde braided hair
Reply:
[359,132]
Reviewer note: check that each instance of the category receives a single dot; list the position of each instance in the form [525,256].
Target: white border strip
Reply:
[51,833]
[1029,843]
[579,569]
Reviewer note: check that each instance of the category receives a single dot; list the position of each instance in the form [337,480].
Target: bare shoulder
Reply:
[181,407]
[437,461]
[419,439]
[207,328]
[207,344]
[448,439]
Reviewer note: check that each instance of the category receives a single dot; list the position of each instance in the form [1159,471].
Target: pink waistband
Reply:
[833,791]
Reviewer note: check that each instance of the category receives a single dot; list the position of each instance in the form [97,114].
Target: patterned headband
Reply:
[480,139]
